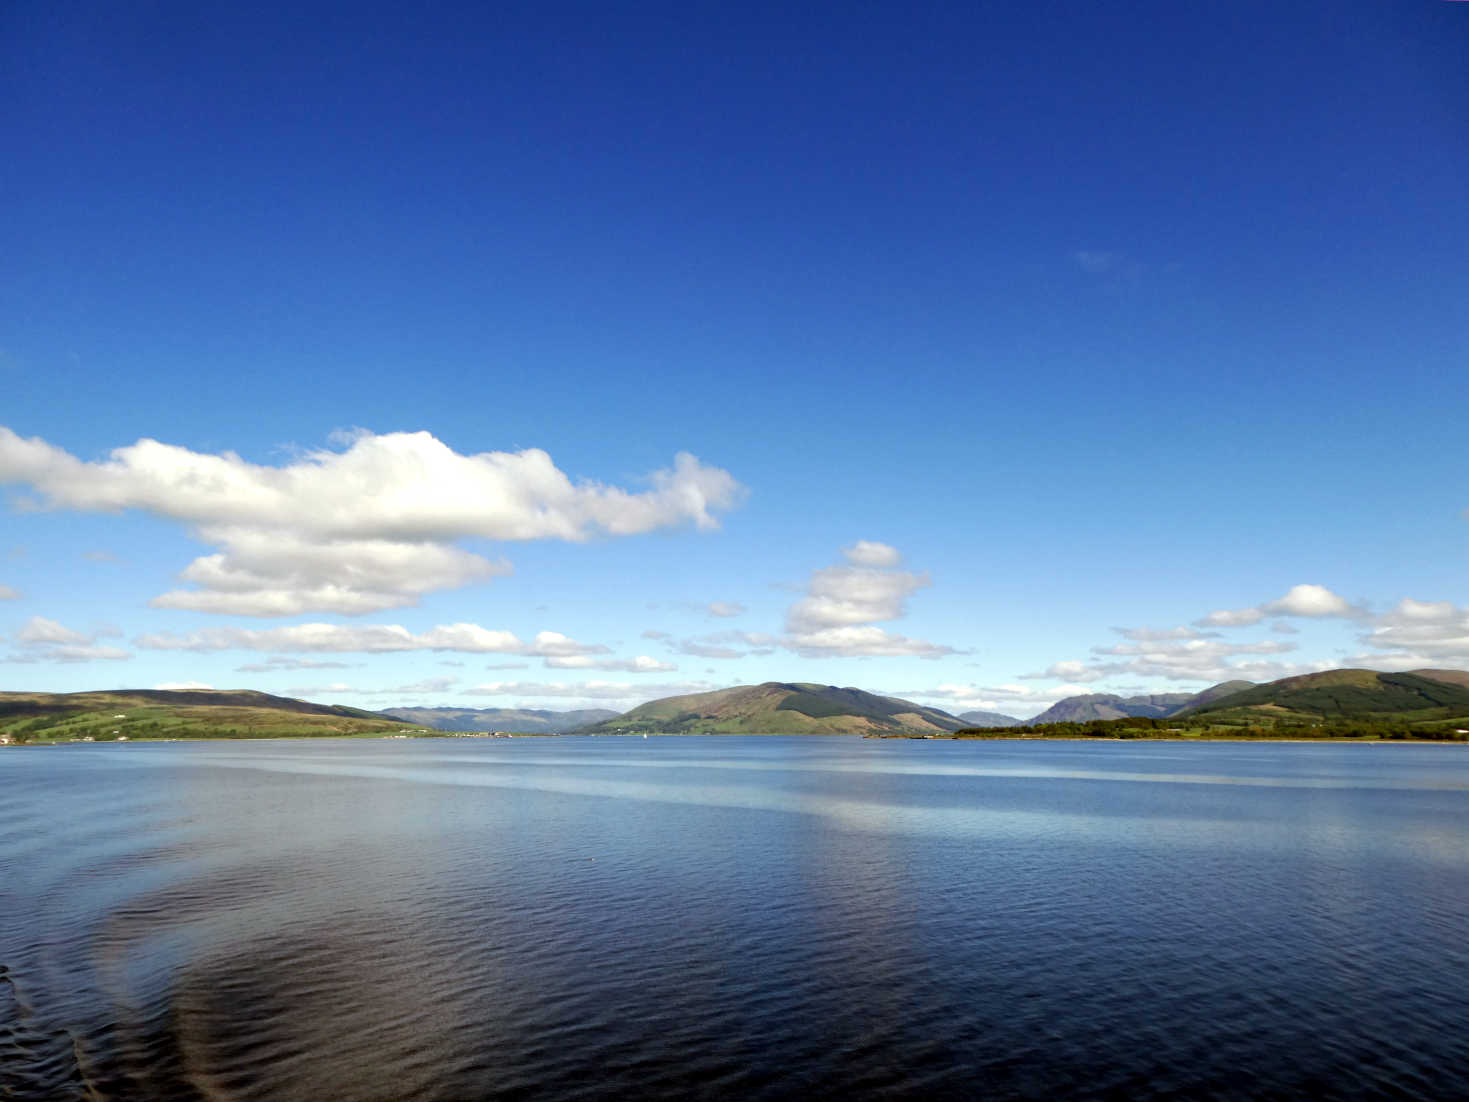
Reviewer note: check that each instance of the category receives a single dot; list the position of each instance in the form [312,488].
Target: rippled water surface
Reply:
[733,917]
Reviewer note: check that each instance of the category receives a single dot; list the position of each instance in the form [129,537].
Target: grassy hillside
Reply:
[1347,694]
[789,708]
[153,713]
[1353,704]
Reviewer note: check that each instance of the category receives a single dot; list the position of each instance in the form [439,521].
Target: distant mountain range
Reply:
[989,719]
[1422,702]
[527,720]
[777,707]
[1092,706]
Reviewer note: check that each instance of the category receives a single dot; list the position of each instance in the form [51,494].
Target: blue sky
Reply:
[1012,341]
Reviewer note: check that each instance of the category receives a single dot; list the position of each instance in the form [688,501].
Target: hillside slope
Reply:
[792,708]
[1347,694]
[195,713]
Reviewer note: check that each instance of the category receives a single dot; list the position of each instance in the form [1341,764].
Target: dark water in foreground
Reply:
[733,917]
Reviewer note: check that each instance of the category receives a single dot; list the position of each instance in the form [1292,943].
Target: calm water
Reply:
[733,917]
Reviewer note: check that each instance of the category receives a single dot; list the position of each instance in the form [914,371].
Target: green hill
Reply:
[1418,695]
[781,708]
[195,713]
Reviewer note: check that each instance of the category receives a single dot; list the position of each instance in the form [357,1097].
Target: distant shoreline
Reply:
[904,737]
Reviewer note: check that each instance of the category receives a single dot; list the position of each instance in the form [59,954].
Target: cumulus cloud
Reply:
[1231,618]
[427,686]
[1079,672]
[708,650]
[359,530]
[1148,635]
[874,554]
[1181,660]
[864,640]
[726,644]
[1426,632]
[278,662]
[43,640]
[1311,600]
[641,664]
[1412,635]
[38,629]
[838,615]
[418,688]
[8,594]
[652,634]
[306,692]
[369,639]
[1208,660]
[1301,600]
[724,608]
[282,574]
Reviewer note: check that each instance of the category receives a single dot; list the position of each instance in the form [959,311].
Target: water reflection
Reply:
[772,917]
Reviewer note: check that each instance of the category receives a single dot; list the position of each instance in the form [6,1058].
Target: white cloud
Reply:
[652,634]
[708,650]
[182,686]
[1431,632]
[1146,635]
[724,608]
[419,688]
[360,530]
[38,629]
[277,662]
[8,594]
[1311,600]
[282,574]
[1185,660]
[874,554]
[839,596]
[43,640]
[1412,635]
[306,692]
[1231,618]
[860,641]
[369,639]
[726,644]
[1301,600]
[641,664]
[837,617]
[99,556]
[1079,672]
[1196,649]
